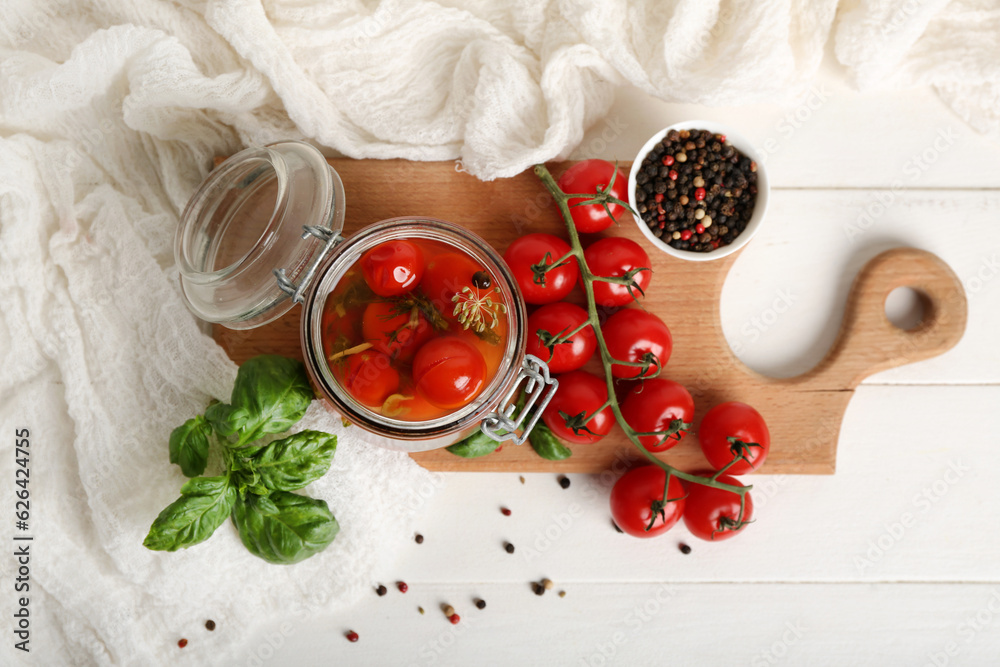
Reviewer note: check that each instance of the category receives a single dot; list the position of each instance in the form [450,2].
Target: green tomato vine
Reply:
[604,198]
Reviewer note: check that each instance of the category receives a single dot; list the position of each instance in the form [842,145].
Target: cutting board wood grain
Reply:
[803,413]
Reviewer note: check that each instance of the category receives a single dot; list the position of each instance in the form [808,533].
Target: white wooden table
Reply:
[893,560]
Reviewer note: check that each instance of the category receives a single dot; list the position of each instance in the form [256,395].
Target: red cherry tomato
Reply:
[534,249]
[370,378]
[579,395]
[448,274]
[739,421]
[633,333]
[638,495]
[659,405]
[449,372]
[558,318]
[393,268]
[612,258]
[393,332]
[587,177]
[714,514]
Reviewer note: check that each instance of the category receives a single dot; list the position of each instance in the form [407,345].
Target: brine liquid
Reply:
[371,342]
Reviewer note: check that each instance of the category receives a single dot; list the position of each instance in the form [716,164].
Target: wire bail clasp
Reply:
[539,387]
[330,239]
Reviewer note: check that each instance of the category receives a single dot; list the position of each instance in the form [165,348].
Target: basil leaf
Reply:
[248,481]
[225,419]
[284,527]
[204,504]
[546,444]
[189,446]
[477,444]
[274,391]
[293,462]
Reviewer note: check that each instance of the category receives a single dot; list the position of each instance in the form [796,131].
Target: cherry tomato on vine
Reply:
[613,257]
[714,514]
[393,268]
[369,377]
[558,318]
[633,334]
[587,177]
[449,372]
[579,395]
[732,429]
[448,274]
[536,249]
[659,405]
[398,334]
[638,495]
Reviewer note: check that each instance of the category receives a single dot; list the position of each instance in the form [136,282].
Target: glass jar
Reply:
[263,233]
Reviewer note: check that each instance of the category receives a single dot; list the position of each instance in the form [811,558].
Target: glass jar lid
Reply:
[252,237]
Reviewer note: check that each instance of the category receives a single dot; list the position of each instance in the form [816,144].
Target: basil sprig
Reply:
[271,394]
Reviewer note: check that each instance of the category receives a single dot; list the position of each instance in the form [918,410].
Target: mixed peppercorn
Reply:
[695,191]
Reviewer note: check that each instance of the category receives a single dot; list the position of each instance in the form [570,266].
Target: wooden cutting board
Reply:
[803,413]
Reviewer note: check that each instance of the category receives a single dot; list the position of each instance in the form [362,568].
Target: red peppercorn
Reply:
[658,197]
[182,643]
[661,217]
[668,160]
[699,228]
[672,175]
[685,235]
[352,636]
[660,210]
[699,193]
[722,138]
[402,586]
[505,511]
[454,618]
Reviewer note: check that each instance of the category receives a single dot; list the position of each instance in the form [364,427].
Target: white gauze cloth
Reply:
[110,114]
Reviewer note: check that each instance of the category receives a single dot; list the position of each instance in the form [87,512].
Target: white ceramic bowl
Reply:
[760,207]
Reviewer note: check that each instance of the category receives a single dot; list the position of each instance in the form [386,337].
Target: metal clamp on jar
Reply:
[263,232]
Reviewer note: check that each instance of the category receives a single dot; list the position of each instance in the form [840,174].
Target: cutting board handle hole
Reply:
[907,308]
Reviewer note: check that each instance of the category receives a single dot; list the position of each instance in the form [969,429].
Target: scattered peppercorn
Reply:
[401,585]
[685,549]
[181,643]
[352,636]
[521,477]
[420,609]
[505,511]
[448,610]
[547,583]
[480,604]
[508,547]
[564,481]
[537,588]
[562,594]
[419,538]
[698,179]
[454,618]
[210,625]
[381,590]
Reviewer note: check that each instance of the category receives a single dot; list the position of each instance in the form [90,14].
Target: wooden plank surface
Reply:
[654,624]
[803,413]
